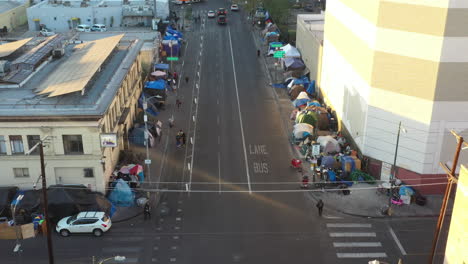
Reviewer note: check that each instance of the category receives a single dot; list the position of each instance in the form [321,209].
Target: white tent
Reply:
[291,51]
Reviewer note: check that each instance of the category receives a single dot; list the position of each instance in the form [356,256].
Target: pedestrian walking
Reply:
[171,122]
[258,53]
[320,207]
[147,211]
[178,103]
[186,79]
[175,75]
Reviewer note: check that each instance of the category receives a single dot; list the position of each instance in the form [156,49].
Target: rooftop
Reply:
[77,4]
[314,23]
[8,48]
[7,5]
[26,102]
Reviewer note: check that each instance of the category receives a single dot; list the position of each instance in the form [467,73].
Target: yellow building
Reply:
[457,241]
[13,14]
[90,93]
[386,61]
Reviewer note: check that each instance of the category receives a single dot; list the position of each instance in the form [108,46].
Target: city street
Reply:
[233,197]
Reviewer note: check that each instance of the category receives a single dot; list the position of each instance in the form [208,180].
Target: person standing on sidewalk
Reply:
[320,207]
[147,211]
[258,53]
[186,79]
[178,103]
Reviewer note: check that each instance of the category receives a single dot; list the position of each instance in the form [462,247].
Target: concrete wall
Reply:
[59,18]
[14,17]
[310,47]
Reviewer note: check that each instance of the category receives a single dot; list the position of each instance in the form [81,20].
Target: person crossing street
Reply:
[320,207]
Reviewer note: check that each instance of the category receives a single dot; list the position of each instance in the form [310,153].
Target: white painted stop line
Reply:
[357,244]
[361,255]
[353,234]
[349,225]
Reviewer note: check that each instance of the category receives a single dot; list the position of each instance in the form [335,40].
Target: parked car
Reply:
[211,14]
[234,7]
[83,28]
[222,11]
[96,223]
[222,19]
[99,28]
[46,32]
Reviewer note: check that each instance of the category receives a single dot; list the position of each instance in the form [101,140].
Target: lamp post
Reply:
[393,174]
[145,119]
[13,212]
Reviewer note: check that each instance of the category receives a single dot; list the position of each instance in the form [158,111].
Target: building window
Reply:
[32,141]
[88,172]
[21,172]
[3,145]
[16,143]
[72,144]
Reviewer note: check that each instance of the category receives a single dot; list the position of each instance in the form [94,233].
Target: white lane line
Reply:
[122,249]
[397,241]
[240,115]
[219,170]
[357,244]
[217,120]
[361,255]
[353,234]
[348,225]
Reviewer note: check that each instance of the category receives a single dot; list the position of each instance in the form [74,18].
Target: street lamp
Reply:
[116,258]
[393,174]
[13,212]
[145,119]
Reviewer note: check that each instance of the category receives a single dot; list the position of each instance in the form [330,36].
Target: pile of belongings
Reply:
[308,117]
[122,195]
[302,130]
[329,145]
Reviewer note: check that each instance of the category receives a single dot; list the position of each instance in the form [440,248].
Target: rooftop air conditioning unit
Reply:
[4,66]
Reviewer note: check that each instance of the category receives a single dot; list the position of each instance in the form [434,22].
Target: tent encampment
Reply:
[302,99]
[307,117]
[122,194]
[295,91]
[291,64]
[302,130]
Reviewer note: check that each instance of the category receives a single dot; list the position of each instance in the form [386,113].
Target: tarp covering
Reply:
[328,161]
[311,88]
[308,117]
[171,47]
[137,136]
[6,197]
[295,91]
[122,194]
[302,130]
[291,51]
[302,99]
[328,144]
[172,31]
[157,85]
[158,74]
[161,66]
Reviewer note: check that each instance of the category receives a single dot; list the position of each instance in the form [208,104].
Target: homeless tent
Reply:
[302,130]
[302,99]
[293,64]
[307,117]
[328,144]
[291,52]
[157,89]
[7,194]
[122,194]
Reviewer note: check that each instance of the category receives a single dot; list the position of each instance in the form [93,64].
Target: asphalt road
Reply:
[240,154]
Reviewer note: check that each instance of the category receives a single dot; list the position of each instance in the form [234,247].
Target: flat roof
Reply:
[76,72]
[8,5]
[10,47]
[314,23]
[25,102]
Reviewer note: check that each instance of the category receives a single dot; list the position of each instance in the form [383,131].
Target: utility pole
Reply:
[451,177]
[393,175]
[45,203]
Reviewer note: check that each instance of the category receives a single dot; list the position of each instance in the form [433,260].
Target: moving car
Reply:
[222,11]
[234,7]
[46,32]
[85,222]
[83,28]
[211,14]
[222,19]
[99,28]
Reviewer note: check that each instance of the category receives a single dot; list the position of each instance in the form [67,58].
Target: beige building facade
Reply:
[13,14]
[391,61]
[73,152]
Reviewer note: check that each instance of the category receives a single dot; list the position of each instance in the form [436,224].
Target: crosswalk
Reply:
[355,240]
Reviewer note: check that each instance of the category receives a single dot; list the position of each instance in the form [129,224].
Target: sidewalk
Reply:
[364,200]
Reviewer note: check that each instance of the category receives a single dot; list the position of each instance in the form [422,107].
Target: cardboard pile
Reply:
[24,231]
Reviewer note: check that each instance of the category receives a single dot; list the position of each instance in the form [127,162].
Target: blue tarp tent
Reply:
[161,66]
[172,31]
[122,195]
[170,37]
[311,88]
[152,109]
[157,85]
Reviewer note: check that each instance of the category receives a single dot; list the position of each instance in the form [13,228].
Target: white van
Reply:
[83,28]
[99,28]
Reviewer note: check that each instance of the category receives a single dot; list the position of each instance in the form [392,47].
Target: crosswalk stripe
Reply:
[122,249]
[361,255]
[123,239]
[127,260]
[352,234]
[357,244]
[349,225]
